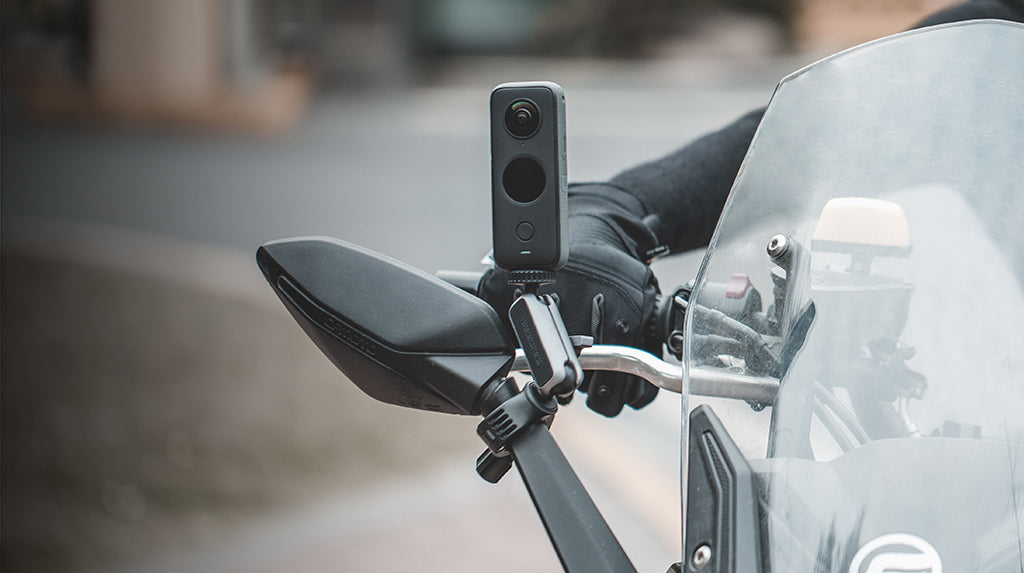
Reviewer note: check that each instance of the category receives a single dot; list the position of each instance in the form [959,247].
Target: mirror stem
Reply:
[517,431]
[578,532]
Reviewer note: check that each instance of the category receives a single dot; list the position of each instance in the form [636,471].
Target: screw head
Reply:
[701,557]
[777,246]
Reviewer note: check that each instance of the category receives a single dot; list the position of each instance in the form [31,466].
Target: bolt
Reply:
[778,246]
[603,391]
[701,557]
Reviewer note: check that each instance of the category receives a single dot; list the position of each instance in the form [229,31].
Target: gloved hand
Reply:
[606,290]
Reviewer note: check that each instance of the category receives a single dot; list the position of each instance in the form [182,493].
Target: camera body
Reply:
[528,176]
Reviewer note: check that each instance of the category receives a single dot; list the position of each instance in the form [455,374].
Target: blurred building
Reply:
[249,64]
[830,25]
[207,63]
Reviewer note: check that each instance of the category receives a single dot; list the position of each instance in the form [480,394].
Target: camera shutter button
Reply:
[524,231]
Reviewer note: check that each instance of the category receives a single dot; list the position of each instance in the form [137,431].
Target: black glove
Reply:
[606,290]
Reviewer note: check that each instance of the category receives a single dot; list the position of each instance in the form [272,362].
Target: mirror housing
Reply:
[403,336]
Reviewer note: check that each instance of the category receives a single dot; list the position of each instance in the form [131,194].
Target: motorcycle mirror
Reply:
[403,336]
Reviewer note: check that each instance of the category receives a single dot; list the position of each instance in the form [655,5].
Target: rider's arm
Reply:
[686,190]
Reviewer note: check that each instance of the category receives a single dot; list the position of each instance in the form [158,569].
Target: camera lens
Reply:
[522,118]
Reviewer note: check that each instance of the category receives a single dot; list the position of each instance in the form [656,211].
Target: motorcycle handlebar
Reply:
[468,281]
[629,360]
[669,376]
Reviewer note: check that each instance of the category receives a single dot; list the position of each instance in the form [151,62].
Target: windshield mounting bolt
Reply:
[701,557]
[778,246]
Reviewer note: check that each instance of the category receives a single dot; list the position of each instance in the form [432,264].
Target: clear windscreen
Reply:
[871,258]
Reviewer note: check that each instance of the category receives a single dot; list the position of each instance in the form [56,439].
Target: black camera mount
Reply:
[517,432]
[553,357]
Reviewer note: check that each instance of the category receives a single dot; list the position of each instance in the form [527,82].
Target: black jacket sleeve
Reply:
[686,190]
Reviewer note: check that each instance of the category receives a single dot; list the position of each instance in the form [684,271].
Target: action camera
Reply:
[528,177]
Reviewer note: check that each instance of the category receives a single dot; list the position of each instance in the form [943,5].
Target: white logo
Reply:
[897,553]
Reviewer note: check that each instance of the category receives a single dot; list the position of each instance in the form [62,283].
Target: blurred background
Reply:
[162,412]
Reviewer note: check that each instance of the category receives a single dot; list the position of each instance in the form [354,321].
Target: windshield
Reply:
[871,258]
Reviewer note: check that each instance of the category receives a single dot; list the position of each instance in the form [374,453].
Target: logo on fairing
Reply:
[897,553]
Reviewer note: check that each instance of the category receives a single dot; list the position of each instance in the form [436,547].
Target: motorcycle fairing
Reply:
[722,507]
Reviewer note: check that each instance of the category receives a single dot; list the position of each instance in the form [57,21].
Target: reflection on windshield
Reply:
[871,257]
